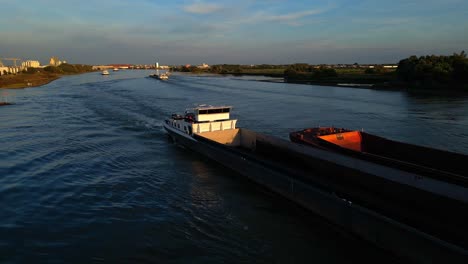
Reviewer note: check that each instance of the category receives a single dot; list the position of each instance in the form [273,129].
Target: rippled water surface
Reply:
[87,173]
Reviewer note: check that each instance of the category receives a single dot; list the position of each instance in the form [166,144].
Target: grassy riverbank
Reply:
[432,73]
[344,77]
[39,76]
[23,80]
[306,74]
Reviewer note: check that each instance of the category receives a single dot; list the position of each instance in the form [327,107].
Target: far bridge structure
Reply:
[12,59]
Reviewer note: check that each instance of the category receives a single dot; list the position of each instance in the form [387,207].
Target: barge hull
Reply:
[399,238]
[439,164]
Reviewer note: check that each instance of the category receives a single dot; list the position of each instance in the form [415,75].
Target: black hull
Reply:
[435,163]
[298,174]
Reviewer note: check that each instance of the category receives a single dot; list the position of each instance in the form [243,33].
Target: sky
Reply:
[176,32]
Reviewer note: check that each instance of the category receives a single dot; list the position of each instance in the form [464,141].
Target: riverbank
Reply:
[383,86]
[33,77]
[353,78]
[24,80]
[379,82]
[388,82]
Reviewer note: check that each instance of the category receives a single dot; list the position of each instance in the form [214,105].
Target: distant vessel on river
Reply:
[160,76]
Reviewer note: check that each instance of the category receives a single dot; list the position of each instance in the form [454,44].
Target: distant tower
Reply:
[54,61]
[157,65]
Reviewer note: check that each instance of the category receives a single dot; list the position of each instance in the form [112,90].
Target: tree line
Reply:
[303,71]
[424,72]
[66,68]
[235,69]
[434,72]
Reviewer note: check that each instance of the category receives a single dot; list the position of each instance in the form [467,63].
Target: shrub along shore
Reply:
[26,80]
[39,76]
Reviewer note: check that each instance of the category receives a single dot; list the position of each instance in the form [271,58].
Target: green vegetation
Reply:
[425,73]
[236,69]
[30,70]
[66,68]
[23,80]
[435,72]
[275,72]
[328,75]
[39,76]
[378,69]
[262,69]
[302,71]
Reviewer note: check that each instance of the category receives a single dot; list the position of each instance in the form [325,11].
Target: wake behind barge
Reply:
[413,216]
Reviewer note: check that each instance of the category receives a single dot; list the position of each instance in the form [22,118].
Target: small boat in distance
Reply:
[105,72]
[160,76]
[163,76]
[116,69]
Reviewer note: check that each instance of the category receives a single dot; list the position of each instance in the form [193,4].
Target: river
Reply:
[87,173]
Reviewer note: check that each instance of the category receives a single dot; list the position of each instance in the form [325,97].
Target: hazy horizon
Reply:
[241,32]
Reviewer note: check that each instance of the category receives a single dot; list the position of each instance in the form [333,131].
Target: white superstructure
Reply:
[201,119]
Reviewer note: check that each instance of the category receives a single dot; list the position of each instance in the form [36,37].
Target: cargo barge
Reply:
[360,196]
[441,164]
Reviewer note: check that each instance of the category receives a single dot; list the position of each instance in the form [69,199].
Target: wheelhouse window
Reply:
[214,111]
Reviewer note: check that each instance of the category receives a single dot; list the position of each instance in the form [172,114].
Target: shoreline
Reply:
[22,83]
[382,86]
[25,80]
[345,83]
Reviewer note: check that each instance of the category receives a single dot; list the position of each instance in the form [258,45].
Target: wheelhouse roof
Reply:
[208,107]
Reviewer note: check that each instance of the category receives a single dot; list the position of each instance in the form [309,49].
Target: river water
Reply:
[87,173]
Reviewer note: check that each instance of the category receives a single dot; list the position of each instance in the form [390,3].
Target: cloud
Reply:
[292,19]
[293,16]
[386,21]
[202,8]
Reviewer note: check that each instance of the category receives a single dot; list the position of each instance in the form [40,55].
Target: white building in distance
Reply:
[30,64]
[9,70]
[54,61]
